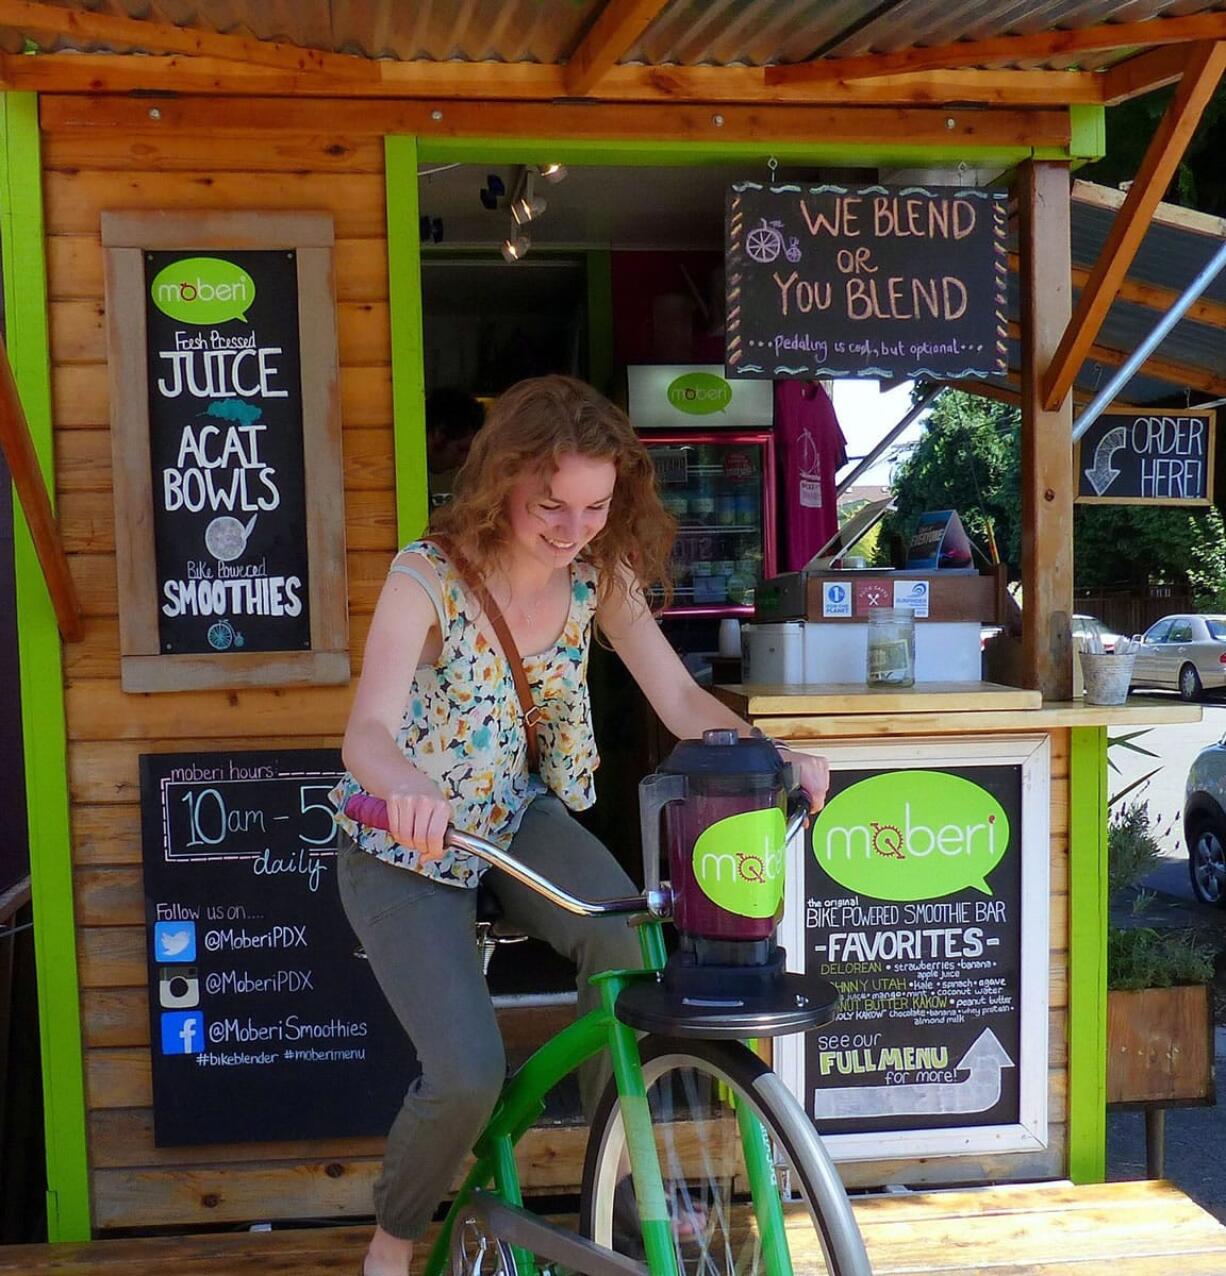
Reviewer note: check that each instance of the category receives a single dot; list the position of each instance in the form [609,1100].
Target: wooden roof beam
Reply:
[1008,49]
[1165,150]
[22,460]
[1143,73]
[1012,393]
[618,27]
[807,128]
[101,73]
[165,37]
[1153,297]
[1157,368]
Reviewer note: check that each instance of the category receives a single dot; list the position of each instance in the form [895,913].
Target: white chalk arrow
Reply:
[1104,474]
[977,1093]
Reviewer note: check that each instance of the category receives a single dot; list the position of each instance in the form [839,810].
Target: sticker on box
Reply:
[836,598]
[870,594]
[913,594]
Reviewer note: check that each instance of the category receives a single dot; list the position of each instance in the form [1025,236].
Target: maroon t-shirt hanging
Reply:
[810,449]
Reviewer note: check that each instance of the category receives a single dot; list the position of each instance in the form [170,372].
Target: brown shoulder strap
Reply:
[474,584]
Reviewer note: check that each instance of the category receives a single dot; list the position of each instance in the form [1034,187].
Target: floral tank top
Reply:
[464,728]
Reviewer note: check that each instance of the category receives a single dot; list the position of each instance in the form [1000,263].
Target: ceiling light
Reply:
[527,207]
[553,172]
[513,249]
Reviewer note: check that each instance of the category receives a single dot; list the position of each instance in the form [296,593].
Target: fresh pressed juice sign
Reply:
[226,447]
[883,282]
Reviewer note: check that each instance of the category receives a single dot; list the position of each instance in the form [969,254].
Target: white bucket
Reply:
[1106,676]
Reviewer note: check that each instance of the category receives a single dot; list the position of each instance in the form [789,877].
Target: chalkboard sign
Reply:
[1158,457]
[919,903]
[229,506]
[225,427]
[883,282]
[265,1021]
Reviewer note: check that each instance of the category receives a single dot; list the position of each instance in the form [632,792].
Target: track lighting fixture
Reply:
[553,173]
[515,247]
[526,203]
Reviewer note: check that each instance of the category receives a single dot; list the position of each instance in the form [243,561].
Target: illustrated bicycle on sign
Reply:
[765,242]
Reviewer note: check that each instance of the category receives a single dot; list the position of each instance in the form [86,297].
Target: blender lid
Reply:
[723,752]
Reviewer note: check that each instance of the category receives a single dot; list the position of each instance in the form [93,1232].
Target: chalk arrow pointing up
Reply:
[978,1092]
[1103,473]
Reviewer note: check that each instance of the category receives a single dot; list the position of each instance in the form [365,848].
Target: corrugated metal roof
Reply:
[1170,256]
[686,32]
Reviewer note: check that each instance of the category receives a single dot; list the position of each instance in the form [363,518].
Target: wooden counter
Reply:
[937,708]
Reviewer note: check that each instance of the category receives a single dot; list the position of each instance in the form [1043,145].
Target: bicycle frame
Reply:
[522,1102]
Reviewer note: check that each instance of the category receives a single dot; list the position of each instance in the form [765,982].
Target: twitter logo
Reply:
[174,941]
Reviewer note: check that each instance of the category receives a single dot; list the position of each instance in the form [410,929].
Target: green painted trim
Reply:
[1087,958]
[504,150]
[408,358]
[42,688]
[1088,137]
[600,319]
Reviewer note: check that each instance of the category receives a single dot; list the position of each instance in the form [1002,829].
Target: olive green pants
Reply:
[419,937]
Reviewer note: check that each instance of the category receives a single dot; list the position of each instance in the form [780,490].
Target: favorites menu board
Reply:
[913,908]
[266,1023]
[226,448]
[881,282]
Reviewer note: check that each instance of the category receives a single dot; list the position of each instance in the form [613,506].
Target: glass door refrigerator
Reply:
[711,443]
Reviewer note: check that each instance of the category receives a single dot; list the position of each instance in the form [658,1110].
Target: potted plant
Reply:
[1159,1008]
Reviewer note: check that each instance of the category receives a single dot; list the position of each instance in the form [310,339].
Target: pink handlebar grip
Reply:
[371,811]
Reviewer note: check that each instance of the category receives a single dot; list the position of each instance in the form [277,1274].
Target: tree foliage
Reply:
[967,459]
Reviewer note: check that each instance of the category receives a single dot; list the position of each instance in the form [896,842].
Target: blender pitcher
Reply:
[724,801]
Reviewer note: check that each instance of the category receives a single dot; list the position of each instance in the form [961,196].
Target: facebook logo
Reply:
[182,1032]
[174,941]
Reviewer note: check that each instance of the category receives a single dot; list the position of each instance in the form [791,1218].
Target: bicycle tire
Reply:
[702,1073]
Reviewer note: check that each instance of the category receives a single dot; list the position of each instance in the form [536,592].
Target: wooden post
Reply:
[32,491]
[1046,444]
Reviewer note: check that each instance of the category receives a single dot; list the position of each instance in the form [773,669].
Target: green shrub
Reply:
[1140,956]
[1146,958]
[1132,849]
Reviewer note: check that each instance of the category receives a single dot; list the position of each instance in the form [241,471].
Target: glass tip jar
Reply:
[891,647]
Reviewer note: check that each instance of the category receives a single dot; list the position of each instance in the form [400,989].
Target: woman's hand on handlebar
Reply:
[418,815]
[812,774]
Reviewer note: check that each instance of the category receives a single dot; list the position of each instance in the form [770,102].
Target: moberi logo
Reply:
[738,862]
[203,290]
[700,393]
[911,835]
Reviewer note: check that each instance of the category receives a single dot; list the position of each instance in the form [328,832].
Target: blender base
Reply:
[792,1003]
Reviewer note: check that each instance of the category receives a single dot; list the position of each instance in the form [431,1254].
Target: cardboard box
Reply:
[833,596]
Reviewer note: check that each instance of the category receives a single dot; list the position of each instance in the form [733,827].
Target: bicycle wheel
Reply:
[694,1090]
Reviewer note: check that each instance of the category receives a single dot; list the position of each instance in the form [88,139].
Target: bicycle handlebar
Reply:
[372,811]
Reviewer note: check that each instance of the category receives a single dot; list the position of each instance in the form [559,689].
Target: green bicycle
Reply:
[699,1161]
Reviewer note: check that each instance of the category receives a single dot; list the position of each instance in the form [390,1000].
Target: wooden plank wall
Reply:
[88,171]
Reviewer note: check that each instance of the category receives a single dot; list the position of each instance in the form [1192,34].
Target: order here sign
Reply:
[1159,456]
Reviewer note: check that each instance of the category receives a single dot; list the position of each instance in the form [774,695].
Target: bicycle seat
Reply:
[490,928]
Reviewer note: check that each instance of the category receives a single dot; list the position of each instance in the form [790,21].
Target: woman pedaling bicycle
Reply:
[555,526]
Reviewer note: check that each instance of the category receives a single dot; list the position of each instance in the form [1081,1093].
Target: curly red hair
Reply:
[527,429]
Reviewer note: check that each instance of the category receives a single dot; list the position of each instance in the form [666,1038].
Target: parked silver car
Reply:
[1204,824]
[1184,653]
